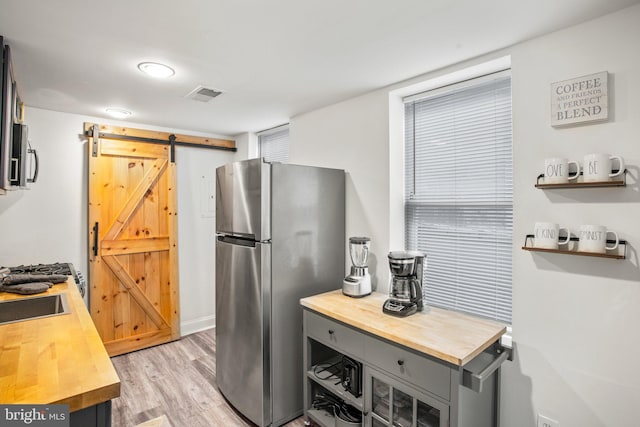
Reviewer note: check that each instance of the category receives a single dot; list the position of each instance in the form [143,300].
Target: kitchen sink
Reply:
[33,308]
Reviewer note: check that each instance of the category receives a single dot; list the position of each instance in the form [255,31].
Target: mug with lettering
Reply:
[598,167]
[556,170]
[593,238]
[546,235]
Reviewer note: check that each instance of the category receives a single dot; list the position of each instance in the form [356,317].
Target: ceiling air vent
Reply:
[203,94]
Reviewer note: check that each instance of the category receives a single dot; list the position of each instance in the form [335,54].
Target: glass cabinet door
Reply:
[380,393]
[427,416]
[402,408]
[376,423]
[390,402]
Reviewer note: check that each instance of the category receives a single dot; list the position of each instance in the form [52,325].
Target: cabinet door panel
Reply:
[409,407]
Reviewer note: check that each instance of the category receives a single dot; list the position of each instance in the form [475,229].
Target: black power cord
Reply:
[333,369]
[337,407]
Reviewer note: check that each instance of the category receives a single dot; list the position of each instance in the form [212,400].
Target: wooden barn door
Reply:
[132,241]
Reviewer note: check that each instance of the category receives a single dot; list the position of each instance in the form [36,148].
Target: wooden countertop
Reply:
[448,335]
[57,359]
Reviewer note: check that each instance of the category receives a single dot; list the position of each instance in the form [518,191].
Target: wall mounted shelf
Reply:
[528,246]
[581,184]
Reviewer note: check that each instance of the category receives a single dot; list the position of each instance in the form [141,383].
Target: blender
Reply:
[358,283]
[405,289]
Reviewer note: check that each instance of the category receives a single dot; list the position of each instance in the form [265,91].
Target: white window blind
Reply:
[274,145]
[459,195]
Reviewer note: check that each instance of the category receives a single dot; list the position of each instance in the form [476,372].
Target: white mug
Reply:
[597,167]
[593,238]
[546,235]
[556,170]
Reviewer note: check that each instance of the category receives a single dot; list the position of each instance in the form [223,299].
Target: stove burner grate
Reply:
[55,268]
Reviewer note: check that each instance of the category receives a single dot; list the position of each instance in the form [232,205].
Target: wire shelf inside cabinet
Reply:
[528,246]
[620,181]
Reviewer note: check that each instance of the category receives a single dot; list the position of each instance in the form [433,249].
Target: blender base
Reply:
[356,286]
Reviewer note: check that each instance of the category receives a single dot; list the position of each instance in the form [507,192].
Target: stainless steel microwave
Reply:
[14,141]
[6,118]
[20,151]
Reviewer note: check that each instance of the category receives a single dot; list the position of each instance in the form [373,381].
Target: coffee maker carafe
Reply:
[405,289]
[358,282]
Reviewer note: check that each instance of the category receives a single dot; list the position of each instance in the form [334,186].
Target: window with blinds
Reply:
[274,145]
[459,194]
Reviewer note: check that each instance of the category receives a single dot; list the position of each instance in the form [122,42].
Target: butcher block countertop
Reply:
[448,335]
[58,359]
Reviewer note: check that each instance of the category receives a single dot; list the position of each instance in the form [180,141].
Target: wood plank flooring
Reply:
[177,380]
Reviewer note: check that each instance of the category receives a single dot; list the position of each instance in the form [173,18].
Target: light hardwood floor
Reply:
[177,380]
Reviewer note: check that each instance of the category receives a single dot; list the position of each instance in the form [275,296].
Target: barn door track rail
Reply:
[154,137]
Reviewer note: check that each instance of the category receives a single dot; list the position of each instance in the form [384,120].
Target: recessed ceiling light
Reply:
[154,69]
[118,113]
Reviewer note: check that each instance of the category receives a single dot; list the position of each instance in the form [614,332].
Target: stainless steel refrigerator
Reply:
[280,237]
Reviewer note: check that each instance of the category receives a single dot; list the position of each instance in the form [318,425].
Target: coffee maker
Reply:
[405,289]
[358,283]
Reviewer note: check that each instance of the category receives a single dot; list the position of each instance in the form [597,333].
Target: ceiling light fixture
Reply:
[118,113]
[156,70]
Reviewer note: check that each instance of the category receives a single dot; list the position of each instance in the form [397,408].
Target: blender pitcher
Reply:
[358,282]
[359,251]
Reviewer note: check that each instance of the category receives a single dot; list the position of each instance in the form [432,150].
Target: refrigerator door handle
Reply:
[235,240]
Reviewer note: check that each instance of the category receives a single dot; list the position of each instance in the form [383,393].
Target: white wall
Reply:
[246,145]
[196,235]
[353,136]
[575,319]
[48,222]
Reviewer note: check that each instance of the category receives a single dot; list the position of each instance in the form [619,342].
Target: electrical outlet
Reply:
[547,422]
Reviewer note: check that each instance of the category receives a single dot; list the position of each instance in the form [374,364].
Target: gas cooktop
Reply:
[65,268]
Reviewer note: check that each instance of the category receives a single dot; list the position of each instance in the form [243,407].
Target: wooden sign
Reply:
[579,100]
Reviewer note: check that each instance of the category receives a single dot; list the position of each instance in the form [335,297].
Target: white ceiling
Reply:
[273,59]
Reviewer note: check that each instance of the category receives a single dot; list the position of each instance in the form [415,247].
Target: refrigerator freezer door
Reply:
[242,328]
[242,199]
[307,253]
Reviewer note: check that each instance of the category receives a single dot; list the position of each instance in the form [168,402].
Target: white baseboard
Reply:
[192,326]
